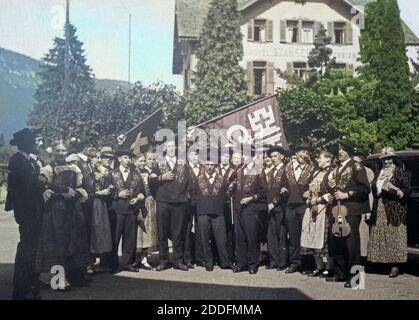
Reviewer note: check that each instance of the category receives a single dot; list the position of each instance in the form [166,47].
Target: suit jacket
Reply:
[351,179]
[177,190]
[250,185]
[134,183]
[210,198]
[88,177]
[277,182]
[296,188]
[24,194]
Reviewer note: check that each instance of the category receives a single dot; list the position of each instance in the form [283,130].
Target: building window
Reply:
[259,30]
[308,32]
[300,69]
[259,77]
[339,32]
[292,31]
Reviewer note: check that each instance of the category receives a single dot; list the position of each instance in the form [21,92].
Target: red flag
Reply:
[258,120]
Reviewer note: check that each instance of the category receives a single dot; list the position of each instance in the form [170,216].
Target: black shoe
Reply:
[137,265]
[306,272]
[394,272]
[281,268]
[190,265]
[162,267]
[181,267]
[239,269]
[291,269]
[209,269]
[335,279]
[226,267]
[146,266]
[253,270]
[326,274]
[271,266]
[316,273]
[347,285]
[130,268]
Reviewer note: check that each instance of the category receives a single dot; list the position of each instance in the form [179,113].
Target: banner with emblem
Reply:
[258,120]
[140,137]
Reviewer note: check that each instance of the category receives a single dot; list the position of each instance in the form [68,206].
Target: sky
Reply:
[29,27]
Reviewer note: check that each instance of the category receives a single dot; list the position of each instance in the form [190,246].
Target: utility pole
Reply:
[129,52]
[67,51]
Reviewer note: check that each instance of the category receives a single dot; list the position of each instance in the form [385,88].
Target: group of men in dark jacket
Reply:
[226,213]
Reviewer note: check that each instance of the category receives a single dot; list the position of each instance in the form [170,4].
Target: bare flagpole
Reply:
[129,52]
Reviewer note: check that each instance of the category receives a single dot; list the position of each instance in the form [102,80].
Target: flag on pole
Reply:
[140,137]
[258,120]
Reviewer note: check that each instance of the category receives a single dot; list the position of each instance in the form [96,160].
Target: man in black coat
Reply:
[128,195]
[24,197]
[349,184]
[209,195]
[172,181]
[297,176]
[249,206]
[276,199]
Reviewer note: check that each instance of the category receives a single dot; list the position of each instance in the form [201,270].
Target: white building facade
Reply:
[277,37]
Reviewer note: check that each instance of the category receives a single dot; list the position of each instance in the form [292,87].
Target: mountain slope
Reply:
[18,83]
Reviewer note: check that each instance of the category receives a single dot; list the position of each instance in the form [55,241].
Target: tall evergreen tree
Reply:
[383,54]
[65,78]
[320,55]
[219,82]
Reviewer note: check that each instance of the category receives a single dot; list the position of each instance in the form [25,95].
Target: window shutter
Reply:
[300,31]
[348,33]
[250,30]
[269,30]
[290,68]
[330,32]
[350,68]
[270,85]
[249,76]
[283,31]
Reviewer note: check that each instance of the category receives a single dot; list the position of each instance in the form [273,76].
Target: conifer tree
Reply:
[219,83]
[383,54]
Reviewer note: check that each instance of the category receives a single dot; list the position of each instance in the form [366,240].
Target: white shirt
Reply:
[171,162]
[343,164]
[195,169]
[125,172]
[298,169]
[224,169]
[278,167]
[211,178]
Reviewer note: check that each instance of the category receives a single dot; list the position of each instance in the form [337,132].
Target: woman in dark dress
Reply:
[388,237]
[101,235]
[63,236]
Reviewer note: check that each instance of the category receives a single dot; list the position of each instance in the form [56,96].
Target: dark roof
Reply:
[190,15]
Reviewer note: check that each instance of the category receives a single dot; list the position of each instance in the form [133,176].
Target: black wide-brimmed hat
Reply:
[276,148]
[107,152]
[302,146]
[23,136]
[124,152]
[76,145]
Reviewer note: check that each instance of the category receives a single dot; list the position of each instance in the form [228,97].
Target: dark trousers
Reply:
[171,224]
[126,228]
[346,251]
[111,260]
[277,238]
[229,232]
[24,275]
[192,250]
[247,226]
[294,221]
[213,227]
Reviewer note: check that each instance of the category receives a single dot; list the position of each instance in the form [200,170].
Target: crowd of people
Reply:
[301,213]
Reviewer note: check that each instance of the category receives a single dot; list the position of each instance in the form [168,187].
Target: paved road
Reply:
[219,284]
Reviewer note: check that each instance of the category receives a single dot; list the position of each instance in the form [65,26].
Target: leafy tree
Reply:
[383,54]
[58,104]
[320,55]
[219,81]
